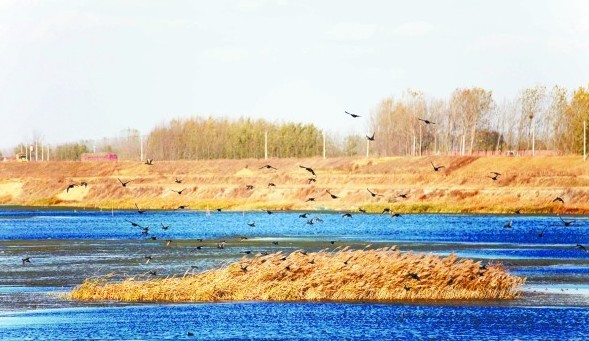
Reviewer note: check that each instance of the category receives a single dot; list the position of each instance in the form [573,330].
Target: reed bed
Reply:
[347,275]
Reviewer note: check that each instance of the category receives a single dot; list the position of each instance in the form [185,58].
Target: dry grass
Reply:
[376,275]
[528,184]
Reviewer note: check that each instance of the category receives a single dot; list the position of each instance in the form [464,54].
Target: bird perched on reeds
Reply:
[309,169]
[557,199]
[70,186]
[179,192]
[426,121]
[581,247]
[374,194]
[149,162]
[333,196]
[353,115]
[437,168]
[508,224]
[26,260]
[178,181]
[370,138]
[124,183]
[268,167]
[138,210]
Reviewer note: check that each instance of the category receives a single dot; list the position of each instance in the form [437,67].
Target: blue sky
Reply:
[73,70]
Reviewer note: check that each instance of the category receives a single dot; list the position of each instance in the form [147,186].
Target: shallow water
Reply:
[67,246]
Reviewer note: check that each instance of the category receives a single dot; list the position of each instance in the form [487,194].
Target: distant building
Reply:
[99,157]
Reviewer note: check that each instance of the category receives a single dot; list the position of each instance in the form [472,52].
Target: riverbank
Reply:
[527,185]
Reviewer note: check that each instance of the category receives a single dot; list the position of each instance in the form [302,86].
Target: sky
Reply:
[73,70]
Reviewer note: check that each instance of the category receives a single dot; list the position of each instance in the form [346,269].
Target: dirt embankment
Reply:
[464,185]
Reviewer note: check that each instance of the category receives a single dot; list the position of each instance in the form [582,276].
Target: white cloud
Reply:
[414,29]
[225,54]
[351,31]
[253,5]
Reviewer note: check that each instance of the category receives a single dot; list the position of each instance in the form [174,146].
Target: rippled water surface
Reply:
[67,246]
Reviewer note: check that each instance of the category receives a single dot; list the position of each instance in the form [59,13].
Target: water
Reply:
[67,246]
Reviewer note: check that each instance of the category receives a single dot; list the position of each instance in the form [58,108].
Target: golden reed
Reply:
[377,275]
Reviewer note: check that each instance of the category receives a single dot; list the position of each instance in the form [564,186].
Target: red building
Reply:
[99,157]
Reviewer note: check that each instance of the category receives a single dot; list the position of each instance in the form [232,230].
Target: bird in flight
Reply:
[149,162]
[153,273]
[414,276]
[147,259]
[221,245]
[581,247]
[508,224]
[178,181]
[395,215]
[566,222]
[333,196]
[347,215]
[84,183]
[304,215]
[124,184]
[403,196]
[269,212]
[268,167]
[437,168]
[370,138]
[138,210]
[165,227]
[271,184]
[249,187]
[494,178]
[541,234]
[353,115]
[311,180]
[558,199]
[374,194]
[26,260]
[181,207]
[70,186]
[495,173]
[386,210]
[310,199]
[308,169]
[426,121]
[252,224]
[361,210]
[179,192]
[134,224]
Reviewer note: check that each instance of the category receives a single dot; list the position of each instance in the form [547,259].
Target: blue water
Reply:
[67,246]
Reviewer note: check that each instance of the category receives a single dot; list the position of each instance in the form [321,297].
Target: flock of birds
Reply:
[145,230]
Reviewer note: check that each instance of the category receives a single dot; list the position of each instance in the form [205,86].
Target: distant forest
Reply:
[469,121]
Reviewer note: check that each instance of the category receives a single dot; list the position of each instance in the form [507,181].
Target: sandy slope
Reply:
[527,183]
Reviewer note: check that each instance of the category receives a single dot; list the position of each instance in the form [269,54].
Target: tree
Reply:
[471,107]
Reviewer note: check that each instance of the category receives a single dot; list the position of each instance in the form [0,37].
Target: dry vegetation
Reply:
[376,275]
[529,184]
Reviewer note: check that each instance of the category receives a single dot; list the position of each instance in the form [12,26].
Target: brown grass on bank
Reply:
[376,275]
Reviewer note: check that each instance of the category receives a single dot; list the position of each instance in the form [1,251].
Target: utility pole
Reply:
[266,145]
[584,141]
[324,145]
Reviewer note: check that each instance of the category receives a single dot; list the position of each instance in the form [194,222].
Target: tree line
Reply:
[469,121]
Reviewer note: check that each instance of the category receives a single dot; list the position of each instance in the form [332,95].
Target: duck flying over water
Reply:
[347,215]
[353,115]
[268,167]
[508,224]
[26,260]
[147,259]
[309,169]
[124,183]
[436,168]
[165,227]
[138,210]
[370,138]
[252,224]
[426,121]
[304,215]
[565,222]
[134,224]
[581,247]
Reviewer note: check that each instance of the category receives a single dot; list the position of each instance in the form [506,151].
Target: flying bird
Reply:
[138,210]
[308,169]
[268,167]
[149,162]
[182,207]
[403,196]
[361,210]
[566,222]
[124,184]
[26,260]
[496,173]
[178,181]
[311,180]
[386,210]
[153,273]
[147,259]
[508,224]
[269,212]
[395,215]
[252,224]
[558,199]
[437,168]
[221,245]
[374,194]
[134,224]
[494,178]
[271,184]
[165,227]
[249,187]
[310,199]
[353,115]
[347,215]
[304,215]
[414,276]
[426,121]
[179,192]
[333,196]
[70,186]
[370,138]
[581,247]
[84,183]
